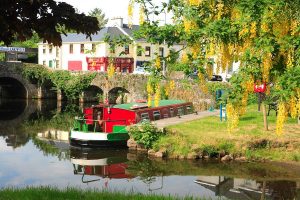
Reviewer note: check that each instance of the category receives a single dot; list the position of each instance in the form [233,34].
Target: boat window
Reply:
[172,112]
[189,110]
[145,116]
[165,113]
[180,111]
[156,115]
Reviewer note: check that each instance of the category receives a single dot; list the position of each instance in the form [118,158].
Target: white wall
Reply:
[78,56]
[47,56]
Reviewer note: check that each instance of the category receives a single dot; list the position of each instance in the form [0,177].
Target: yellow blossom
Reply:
[157,62]
[130,13]
[142,15]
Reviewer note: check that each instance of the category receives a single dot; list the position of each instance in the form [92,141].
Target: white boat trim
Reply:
[79,135]
[96,162]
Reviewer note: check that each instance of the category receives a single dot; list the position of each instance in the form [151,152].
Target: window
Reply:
[139,51]
[180,111]
[230,69]
[71,49]
[189,110]
[156,115]
[50,49]
[126,49]
[44,62]
[81,48]
[172,112]
[165,113]
[57,64]
[57,52]
[112,49]
[44,49]
[161,51]
[145,116]
[147,51]
[50,63]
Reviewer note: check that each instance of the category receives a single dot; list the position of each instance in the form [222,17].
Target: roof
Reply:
[129,106]
[100,35]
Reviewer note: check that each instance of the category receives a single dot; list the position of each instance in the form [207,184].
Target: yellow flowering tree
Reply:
[262,34]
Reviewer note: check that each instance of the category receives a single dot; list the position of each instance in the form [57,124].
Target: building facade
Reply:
[78,53]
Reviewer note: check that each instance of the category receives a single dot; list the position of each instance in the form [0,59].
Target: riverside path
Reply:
[184,118]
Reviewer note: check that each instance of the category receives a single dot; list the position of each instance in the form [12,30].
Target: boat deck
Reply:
[162,123]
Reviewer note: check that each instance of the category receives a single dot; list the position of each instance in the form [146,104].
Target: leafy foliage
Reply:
[71,84]
[20,19]
[145,133]
[287,83]
[262,34]
[97,12]
[36,73]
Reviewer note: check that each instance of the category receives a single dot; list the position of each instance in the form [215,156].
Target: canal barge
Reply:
[105,125]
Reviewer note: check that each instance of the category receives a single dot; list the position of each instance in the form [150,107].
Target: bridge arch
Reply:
[118,95]
[15,86]
[92,94]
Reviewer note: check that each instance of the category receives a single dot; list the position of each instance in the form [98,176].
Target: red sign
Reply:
[260,88]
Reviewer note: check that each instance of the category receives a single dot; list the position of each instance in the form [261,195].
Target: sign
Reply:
[12,49]
[260,88]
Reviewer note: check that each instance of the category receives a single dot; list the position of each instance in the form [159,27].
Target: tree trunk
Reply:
[299,119]
[265,117]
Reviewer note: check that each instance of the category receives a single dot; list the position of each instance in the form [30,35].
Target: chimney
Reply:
[117,21]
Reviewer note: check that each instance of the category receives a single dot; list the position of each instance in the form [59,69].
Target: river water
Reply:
[34,151]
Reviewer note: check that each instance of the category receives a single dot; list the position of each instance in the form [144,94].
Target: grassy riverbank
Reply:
[209,136]
[48,193]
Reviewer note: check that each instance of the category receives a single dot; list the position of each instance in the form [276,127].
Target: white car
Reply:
[140,70]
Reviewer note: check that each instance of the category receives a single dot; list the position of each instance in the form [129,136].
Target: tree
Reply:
[97,12]
[262,34]
[19,19]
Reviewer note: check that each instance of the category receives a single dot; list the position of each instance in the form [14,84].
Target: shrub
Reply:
[145,133]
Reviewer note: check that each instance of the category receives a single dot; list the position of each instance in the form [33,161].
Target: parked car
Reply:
[140,70]
[216,78]
[213,78]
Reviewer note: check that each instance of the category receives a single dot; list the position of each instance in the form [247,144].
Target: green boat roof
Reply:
[129,106]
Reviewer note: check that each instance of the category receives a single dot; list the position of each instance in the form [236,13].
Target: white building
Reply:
[76,48]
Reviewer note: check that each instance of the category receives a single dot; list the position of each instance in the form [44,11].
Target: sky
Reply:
[111,8]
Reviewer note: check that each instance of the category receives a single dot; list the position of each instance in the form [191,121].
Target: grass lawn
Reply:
[45,193]
[211,136]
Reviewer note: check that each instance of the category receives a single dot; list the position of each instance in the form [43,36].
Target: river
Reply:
[34,151]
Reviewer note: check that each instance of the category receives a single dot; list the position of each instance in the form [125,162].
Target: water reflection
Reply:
[235,188]
[101,163]
[35,151]
[11,109]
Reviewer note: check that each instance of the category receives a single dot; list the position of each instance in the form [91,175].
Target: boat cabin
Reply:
[110,118]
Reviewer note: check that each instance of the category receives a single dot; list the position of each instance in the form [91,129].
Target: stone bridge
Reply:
[122,87]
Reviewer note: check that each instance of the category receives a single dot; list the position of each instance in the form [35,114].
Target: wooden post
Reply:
[263,192]
[265,117]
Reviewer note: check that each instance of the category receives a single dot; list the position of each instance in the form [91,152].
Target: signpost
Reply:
[260,89]
[15,53]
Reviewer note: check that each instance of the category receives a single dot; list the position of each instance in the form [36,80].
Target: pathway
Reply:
[184,118]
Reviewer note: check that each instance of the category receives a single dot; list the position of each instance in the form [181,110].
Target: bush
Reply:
[145,133]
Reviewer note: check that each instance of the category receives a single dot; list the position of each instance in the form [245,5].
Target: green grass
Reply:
[49,193]
[211,136]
